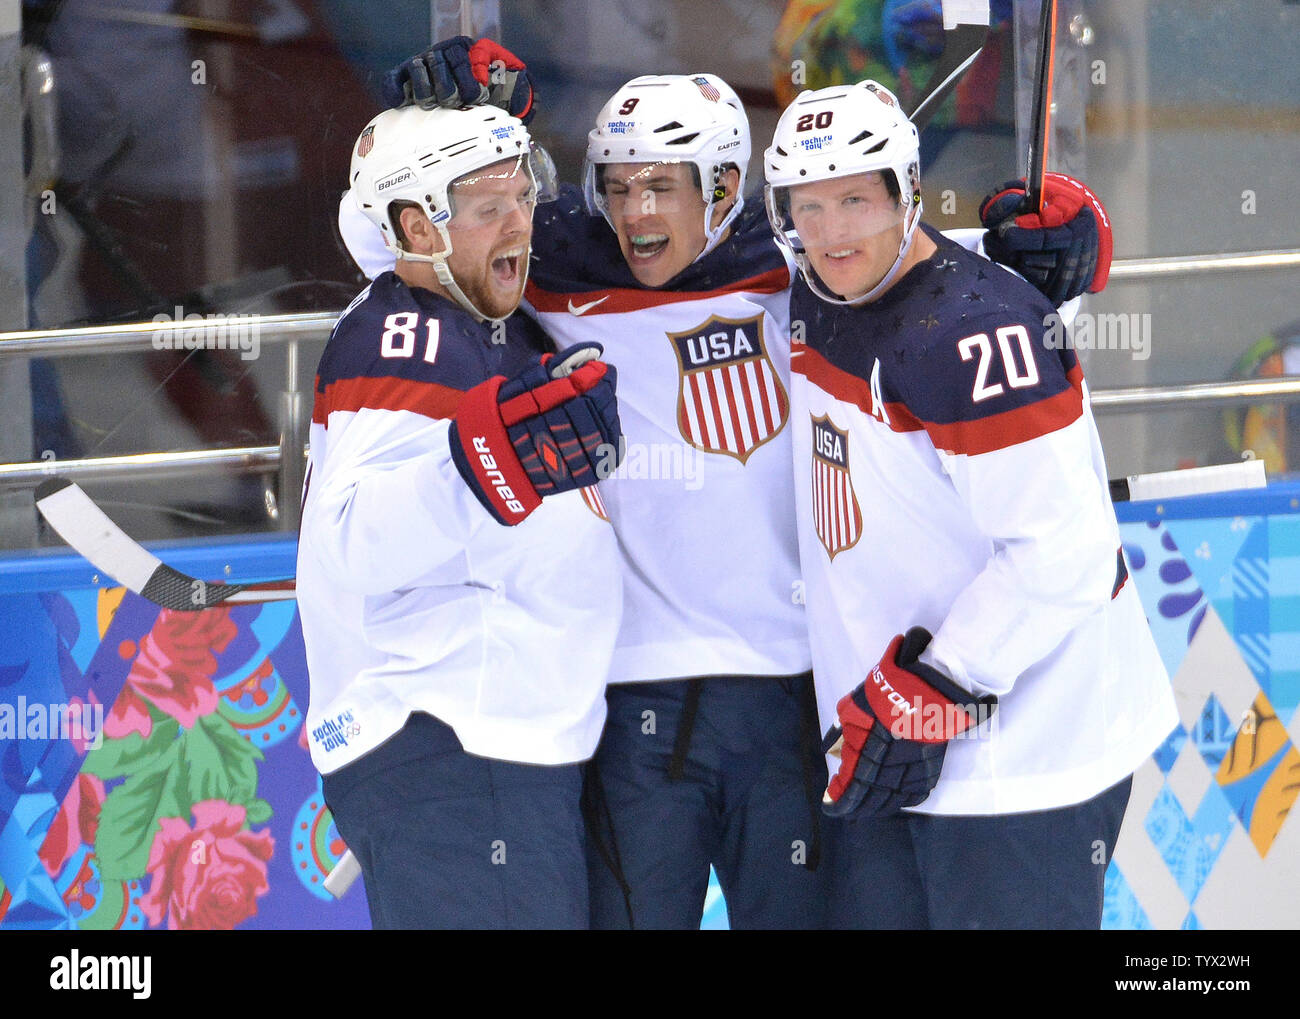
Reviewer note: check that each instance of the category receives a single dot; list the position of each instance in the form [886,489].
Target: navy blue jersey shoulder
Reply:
[926,332]
[575,252]
[457,351]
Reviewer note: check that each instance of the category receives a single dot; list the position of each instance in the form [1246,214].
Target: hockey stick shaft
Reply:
[966,28]
[1042,112]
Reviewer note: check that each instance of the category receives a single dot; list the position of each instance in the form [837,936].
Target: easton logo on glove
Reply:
[894,731]
[551,429]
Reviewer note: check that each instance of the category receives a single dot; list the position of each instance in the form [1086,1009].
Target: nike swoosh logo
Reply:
[582,309]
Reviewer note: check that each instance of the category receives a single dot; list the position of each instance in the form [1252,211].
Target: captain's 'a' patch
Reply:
[730,399]
[836,514]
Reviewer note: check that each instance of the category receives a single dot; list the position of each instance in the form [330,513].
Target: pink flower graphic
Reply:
[206,877]
[76,822]
[174,668]
[130,714]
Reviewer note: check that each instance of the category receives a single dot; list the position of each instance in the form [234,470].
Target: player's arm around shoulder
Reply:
[1004,405]
[384,502]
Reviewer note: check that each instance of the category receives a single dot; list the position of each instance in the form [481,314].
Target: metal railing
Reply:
[286,459]
[1192,265]
[287,456]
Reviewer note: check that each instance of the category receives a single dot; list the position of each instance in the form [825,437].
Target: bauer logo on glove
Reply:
[550,429]
[894,730]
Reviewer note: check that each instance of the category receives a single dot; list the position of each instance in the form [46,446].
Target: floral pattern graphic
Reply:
[206,876]
[181,812]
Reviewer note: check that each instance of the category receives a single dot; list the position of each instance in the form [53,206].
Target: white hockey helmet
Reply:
[839,132]
[415,155]
[673,118]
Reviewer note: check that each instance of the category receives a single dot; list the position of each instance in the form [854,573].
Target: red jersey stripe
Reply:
[1012,427]
[615,300]
[980,435]
[388,393]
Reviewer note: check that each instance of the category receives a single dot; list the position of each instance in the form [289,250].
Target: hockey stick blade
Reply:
[1229,477]
[966,29]
[88,531]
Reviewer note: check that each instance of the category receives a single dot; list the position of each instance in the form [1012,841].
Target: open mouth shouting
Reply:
[507,266]
[646,246]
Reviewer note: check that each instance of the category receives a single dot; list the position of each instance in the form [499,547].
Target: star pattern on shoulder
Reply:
[981,275]
[947,263]
[973,295]
[929,321]
[898,322]
[938,291]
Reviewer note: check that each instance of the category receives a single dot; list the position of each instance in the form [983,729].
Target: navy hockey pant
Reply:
[1036,870]
[449,840]
[751,776]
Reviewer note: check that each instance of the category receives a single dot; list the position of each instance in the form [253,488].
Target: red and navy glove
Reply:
[1064,250]
[894,730]
[550,429]
[461,72]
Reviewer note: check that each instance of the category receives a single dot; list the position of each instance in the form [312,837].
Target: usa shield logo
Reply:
[366,142]
[836,514]
[730,399]
[706,87]
[591,496]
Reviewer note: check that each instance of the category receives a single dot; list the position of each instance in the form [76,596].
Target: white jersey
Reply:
[702,503]
[412,597]
[949,475]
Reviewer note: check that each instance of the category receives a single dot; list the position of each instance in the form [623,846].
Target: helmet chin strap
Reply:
[909,233]
[904,246]
[713,235]
[443,272]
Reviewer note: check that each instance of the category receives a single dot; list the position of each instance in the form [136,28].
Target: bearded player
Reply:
[449,516]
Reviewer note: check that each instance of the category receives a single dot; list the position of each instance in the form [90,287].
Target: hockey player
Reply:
[448,523]
[985,666]
[710,752]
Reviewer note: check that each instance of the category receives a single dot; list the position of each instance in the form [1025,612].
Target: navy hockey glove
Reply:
[1063,251]
[550,429]
[461,72]
[440,76]
[894,731]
